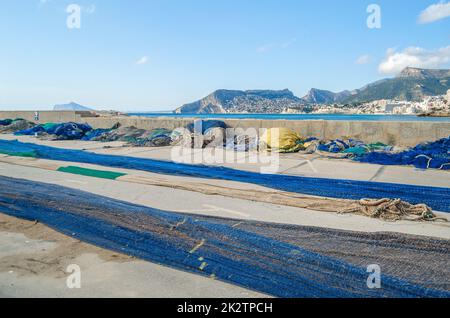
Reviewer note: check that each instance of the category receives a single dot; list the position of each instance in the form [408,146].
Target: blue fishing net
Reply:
[31,131]
[65,131]
[279,260]
[159,137]
[333,146]
[6,122]
[132,136]
[428,155]
[94,134]
[206,125]
[353,147]
[435,197]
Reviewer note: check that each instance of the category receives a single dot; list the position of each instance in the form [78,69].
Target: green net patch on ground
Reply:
[92,172]
[31,154]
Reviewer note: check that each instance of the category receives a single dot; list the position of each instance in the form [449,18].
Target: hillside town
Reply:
[244,104]
[428,106]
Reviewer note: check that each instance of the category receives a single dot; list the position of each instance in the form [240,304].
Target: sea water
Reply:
[344,117]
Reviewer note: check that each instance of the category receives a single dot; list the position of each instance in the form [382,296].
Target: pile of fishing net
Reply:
[431,155]
[285,140]
[392,210]
[345,147]
[202,126]
[5,122]
[435,155]
[133,136]
[93,134]
[201,134]
[213,133]
[75,131]
[13,125]
[53,131]
[247,141]
[282,140]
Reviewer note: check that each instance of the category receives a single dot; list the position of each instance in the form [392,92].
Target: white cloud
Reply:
[435,12]
[395,62]
[142,60]
[363,59]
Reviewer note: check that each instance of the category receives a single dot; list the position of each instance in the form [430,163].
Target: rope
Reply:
[427,157]
[392,210]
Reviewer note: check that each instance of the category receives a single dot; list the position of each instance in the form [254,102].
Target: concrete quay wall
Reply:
[47,116]
[400,133]
[393,133]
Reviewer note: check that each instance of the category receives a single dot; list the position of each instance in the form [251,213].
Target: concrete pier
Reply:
[47,116]
[400,133]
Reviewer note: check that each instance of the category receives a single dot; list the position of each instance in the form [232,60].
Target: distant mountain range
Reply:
[411,84]
[320,96]
[71,106]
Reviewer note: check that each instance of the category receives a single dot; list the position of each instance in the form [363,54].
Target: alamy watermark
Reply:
[374,278]
[74,18]
[73,281]
[374,18]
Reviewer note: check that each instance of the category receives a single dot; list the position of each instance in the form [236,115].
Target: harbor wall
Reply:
[398,133]
[47,116]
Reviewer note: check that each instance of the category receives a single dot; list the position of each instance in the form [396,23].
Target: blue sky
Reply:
[154,55]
